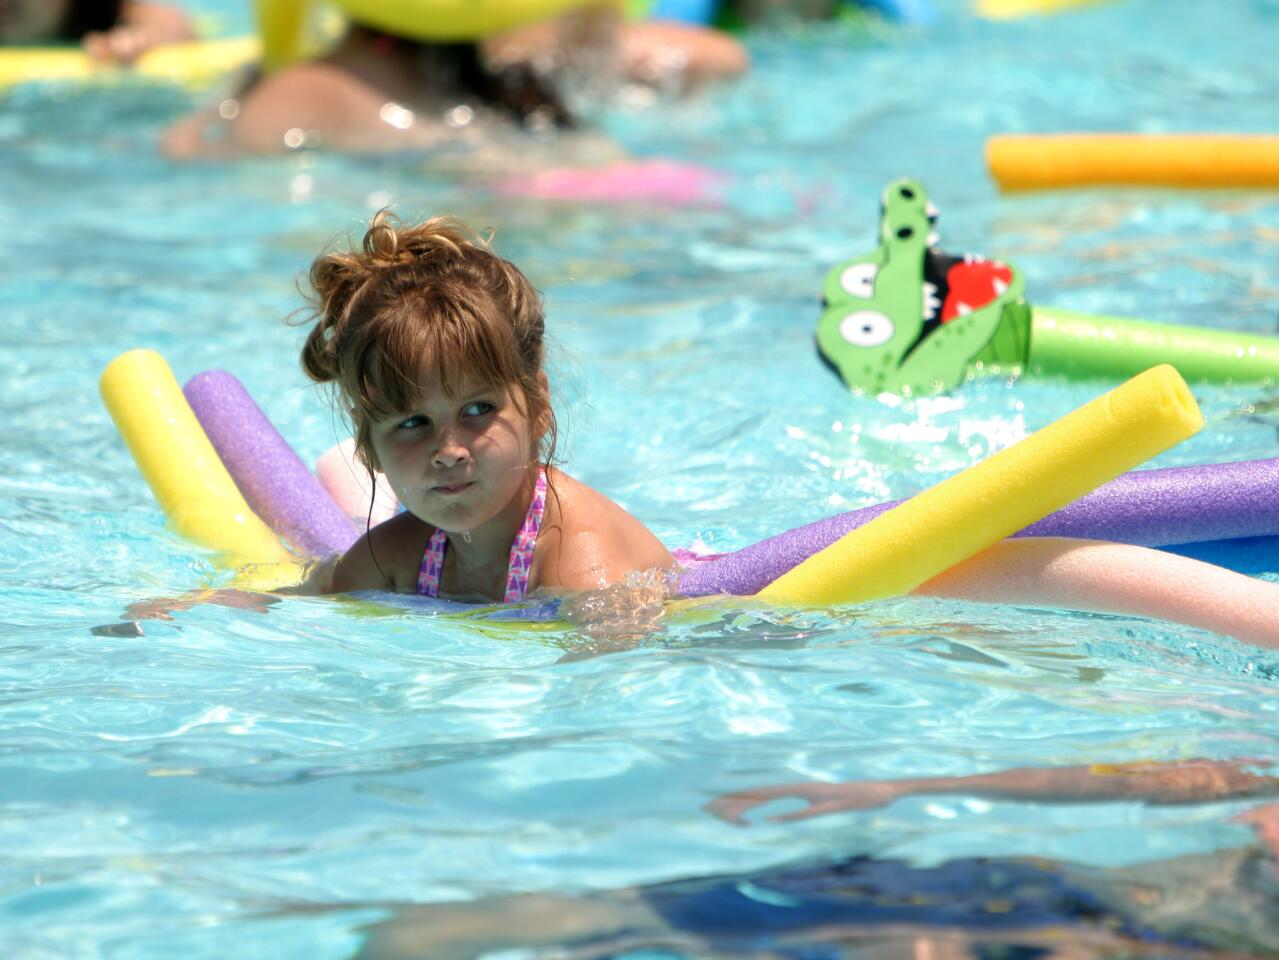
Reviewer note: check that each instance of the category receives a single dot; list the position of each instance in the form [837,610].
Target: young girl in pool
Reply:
[435,346]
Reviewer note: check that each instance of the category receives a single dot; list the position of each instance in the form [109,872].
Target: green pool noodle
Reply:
[1066,343]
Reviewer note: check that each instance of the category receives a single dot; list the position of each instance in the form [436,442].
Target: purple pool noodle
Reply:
[276,484]
[1175,505]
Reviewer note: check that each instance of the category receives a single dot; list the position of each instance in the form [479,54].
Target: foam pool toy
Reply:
[909,318]
[275,483]
[683,11]
[1224,513]
[177,460]
[949,522]
[1015,9]
[1192,160]
[1149,412]
[635,181]
[282,23]
[723,14]
[195,64]
[366,500]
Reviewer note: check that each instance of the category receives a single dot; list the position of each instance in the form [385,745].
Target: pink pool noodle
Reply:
[276,484]
[1175,505]
[636,181]
[348,483]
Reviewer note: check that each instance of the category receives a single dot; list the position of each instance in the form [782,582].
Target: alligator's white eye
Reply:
[866,328]
[858,280]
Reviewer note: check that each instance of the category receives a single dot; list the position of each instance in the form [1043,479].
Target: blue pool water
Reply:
[249,784]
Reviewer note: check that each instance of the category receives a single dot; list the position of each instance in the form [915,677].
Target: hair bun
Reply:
[382,240]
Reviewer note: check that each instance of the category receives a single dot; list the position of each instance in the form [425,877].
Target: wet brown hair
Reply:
[413,298]
[514,90]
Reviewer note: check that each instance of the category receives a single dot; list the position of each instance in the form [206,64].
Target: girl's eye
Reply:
[414,422]
[480,408]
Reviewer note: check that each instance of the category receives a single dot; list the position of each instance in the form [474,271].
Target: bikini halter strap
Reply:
[521,558]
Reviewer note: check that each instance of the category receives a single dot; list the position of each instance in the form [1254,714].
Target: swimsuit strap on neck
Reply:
[432,568]
[521,559]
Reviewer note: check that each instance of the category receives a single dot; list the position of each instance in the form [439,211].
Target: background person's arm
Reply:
[1190,781]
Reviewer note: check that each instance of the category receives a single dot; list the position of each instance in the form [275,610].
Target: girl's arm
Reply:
[379,560]
[1192,781]
[387,557]
[1116,578]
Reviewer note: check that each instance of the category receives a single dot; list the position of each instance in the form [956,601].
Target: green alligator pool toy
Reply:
[907,318]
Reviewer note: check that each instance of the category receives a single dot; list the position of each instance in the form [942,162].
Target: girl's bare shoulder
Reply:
[387,557]
[591,541]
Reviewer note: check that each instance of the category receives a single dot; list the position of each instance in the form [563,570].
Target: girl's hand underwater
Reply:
[621,615]
[164,608]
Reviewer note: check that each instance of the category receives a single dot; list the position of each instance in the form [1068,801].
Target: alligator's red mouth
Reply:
[956,286]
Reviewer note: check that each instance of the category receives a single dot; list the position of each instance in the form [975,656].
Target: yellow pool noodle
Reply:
[190,64]
[1048,161]
[1012,9]
[183,470]
[949,522]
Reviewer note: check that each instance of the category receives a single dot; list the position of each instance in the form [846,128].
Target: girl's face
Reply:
[31,21]
[456,461]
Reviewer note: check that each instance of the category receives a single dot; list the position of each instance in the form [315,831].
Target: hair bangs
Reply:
[468,340]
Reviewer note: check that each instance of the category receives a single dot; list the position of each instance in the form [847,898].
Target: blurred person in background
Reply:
[110,30]
[376,92]
[1210,906]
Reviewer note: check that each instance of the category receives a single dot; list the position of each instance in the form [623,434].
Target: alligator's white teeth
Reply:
[934,238]
[932,302]
[970,257]
[931,210]
[1000,287]
[963,309]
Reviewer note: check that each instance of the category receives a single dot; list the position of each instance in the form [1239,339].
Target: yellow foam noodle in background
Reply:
[439,20]
[1013,9]
[1193,160]
[184,472]
[280,25]
[283,24]
[951,521]
[190,64]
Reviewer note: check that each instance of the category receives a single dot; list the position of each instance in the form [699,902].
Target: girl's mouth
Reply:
[449,489]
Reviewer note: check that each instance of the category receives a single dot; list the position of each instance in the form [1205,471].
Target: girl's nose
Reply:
[450,452]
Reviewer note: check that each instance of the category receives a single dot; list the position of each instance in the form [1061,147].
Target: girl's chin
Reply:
[455,521]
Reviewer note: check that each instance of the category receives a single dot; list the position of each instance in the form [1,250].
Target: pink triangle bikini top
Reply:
[521,562]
